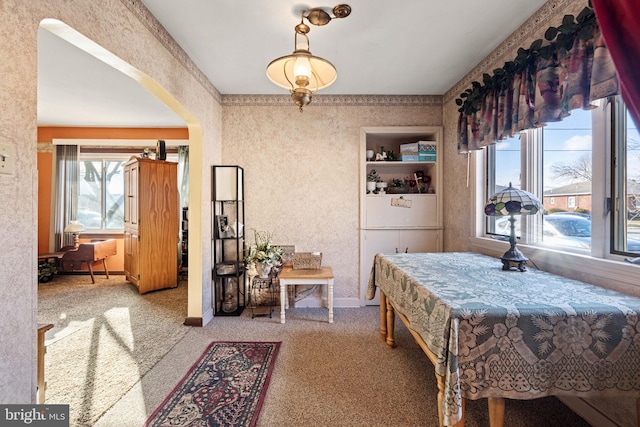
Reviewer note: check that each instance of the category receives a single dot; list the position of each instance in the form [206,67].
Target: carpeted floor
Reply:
[105,337]
[338,374]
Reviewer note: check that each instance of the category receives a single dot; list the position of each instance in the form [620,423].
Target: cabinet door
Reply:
[375,242]
[131,256]
[406,210]
[393,241]
[418,241]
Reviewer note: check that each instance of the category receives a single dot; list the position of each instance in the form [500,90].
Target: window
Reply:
[503,170]
[586,170]
[101,191]
[626,179]
[567,174]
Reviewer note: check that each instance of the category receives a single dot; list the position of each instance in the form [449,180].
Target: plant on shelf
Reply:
[373,176]
[263,254]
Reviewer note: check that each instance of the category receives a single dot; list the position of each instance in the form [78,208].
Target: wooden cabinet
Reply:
[410,218]
[151,224]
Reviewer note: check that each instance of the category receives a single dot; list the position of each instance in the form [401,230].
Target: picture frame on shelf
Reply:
[223,229]
[287,253]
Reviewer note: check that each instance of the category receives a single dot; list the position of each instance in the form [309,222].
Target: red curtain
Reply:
[619,22]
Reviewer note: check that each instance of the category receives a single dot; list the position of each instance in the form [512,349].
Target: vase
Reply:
[263,269]
[230,302]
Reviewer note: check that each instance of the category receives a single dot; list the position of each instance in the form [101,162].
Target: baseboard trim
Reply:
[590,413]
[193,321]
[316,302]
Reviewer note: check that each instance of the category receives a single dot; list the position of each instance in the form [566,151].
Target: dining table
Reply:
[499,334]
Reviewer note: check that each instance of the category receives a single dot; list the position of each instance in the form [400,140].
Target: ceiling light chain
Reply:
[302,73]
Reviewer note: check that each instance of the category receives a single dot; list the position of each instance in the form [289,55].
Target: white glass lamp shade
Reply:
[74,227]
[287,70]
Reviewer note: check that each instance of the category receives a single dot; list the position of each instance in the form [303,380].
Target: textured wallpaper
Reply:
[113,26]
[302,172]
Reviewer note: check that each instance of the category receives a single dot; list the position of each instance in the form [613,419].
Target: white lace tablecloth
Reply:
[512,334]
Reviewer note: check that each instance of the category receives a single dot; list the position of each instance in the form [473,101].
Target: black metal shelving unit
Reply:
[228,240]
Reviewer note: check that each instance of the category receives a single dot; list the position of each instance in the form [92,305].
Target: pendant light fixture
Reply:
[302,73]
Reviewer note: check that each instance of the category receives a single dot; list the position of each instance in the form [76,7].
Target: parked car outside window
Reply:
[564,230]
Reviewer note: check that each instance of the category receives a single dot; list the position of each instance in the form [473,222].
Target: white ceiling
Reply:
[409,47]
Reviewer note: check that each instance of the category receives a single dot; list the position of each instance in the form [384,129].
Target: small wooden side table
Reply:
[289,276]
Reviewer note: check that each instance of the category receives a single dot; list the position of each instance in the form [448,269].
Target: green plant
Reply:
[396,182]
[263,250]
[46,270]
[373,176]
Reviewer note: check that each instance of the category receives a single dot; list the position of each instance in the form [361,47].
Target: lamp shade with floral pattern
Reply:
[512,201]
[509,202]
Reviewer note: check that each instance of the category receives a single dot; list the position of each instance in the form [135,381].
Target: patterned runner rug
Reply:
[225,387]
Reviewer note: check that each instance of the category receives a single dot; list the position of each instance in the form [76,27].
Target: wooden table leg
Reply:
[391,342]
[93,279]
[104,264]
[440,382]
[383,316]
[496,411]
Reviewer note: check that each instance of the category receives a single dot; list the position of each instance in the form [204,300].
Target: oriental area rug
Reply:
[225,387]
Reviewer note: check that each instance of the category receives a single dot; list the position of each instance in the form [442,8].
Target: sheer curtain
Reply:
[183,189]
[619,21]
[66,193]
[183,175]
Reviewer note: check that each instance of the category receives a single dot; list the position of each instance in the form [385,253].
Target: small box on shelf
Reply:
[421,151]
[413,157]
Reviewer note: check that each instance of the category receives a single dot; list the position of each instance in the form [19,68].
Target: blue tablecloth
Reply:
[519,335]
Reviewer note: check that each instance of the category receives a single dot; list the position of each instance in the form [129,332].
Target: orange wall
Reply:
[44,200]
[47,134]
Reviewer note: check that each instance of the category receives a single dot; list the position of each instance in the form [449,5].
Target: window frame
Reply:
[109,155]
[603,263]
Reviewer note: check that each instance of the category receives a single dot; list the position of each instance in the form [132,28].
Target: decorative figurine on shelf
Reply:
[419,176]
[372,179]
[390,155]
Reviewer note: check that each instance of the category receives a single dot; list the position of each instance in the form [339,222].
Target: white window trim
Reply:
[573,265]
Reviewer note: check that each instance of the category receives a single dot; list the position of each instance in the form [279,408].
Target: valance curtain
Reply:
[545,90]
[620,21]
[66,202]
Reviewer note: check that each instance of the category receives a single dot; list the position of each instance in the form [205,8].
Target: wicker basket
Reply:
[307,260]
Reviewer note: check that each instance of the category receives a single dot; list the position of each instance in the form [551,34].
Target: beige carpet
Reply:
[338,374]
[105,338]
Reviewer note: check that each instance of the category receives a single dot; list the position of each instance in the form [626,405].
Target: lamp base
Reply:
[514,256]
